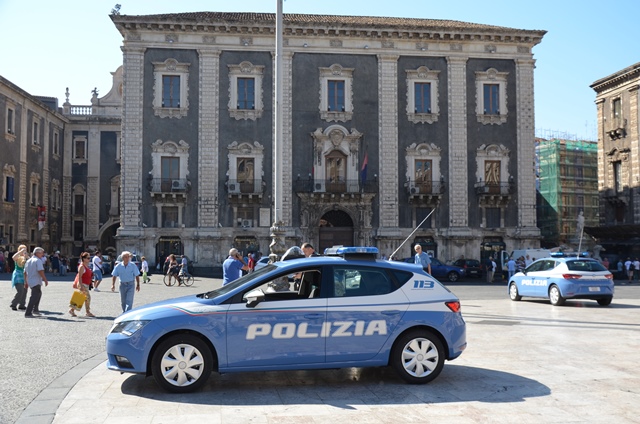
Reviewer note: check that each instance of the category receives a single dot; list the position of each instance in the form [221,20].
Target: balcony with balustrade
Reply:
[428,193]
[494,194]
[246,189]
[176,188]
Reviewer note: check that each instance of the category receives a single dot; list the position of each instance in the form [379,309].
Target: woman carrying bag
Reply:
[17,279]
[84,278]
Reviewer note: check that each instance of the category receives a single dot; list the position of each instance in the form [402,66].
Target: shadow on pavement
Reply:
[345,387]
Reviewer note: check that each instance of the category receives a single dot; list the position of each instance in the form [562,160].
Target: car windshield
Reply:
[579,265]
[240,281]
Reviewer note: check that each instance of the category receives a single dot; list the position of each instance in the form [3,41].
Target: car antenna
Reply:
[412,233]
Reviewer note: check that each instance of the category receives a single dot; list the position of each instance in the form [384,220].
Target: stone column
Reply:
[208,126]
[525,138]
[388,141]
[458,155]
[131,147]
[632,134]
[93,186]
[605,173]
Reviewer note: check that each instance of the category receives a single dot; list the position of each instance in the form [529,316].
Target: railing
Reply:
[333,186]
[246,186]
[81,110]
[488,189]
[432,188]
[169,185]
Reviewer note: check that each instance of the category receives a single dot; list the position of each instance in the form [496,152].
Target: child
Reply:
[145,269]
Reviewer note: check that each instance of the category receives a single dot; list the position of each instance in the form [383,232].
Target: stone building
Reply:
[618,162]
[385,120]
[33,142]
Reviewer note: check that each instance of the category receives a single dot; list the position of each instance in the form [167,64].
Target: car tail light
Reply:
[609,276]
[454,306]
[571,276]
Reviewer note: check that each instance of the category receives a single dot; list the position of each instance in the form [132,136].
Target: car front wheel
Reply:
[555,297]
[513,292]
[418,357]
[605,302]
[453,276]
[182,363]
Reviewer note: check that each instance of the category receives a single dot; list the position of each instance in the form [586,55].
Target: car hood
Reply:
[192,305]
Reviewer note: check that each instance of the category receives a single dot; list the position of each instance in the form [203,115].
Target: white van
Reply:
[533,254]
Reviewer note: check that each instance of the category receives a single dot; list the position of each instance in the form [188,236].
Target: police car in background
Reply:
[350,310]
[562,278]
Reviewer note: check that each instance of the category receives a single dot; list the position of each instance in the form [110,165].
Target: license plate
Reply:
[473,272]
[594,289]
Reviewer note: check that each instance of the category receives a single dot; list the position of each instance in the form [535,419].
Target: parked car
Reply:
[559,279]
[107,265]
[442,271]
[350,310]
[472,267]
[133,259]
[264,261]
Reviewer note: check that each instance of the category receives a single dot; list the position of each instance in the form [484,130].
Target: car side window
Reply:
[360,281]
[534,267]
[282,287]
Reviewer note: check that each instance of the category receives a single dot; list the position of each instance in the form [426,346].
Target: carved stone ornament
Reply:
[386,44]
[336,137]
[170,147]
[246,148]
[243,70]
[618,155]
[422,75]
[173,67]
[209,39]
[335,43]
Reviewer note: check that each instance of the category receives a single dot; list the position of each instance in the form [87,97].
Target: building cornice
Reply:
[625,75]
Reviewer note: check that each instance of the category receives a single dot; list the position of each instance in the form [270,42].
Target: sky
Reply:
[49,46]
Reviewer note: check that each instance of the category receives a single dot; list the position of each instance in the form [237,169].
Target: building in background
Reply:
[567,173]
[618,162]
[385,120]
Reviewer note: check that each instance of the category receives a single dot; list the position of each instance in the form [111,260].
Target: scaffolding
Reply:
[567,183]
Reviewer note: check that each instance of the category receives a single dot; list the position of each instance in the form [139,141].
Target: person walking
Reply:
[96,268]
[35,276]
[232,267]
[490,269]
[421,258]
[128,273]
[145,269]
[55,263]
[85,276]
[511,267]
[630,268]
[17,279]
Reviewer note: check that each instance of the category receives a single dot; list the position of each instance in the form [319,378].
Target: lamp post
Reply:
[277,246]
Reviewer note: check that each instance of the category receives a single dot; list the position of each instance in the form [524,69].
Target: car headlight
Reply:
[128,328]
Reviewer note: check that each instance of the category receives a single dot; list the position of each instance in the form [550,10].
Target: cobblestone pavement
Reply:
[527,362]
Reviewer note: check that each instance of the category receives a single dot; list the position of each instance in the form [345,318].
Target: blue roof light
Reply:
[358,250]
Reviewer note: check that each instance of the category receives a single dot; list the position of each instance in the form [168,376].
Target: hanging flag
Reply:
[363,171]
[42,216]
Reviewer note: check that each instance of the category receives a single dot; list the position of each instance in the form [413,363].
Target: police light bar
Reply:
[352,252]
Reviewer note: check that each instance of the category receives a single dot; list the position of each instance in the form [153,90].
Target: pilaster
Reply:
[458,176]
[46,143]
[208,129]
[132,139]
[66,187]
[525,139]
[632,135]
[388,140]
[22,236]
[93,186]
[287,139]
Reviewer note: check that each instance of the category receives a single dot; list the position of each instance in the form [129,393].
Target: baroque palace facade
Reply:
[385,121]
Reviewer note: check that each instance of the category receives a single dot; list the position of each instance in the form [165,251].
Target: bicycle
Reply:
[183,277]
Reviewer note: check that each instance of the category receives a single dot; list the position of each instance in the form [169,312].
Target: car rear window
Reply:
[579,265]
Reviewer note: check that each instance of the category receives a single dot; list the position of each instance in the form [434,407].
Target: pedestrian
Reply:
[527,261]
[55,263]
[2,261]
[309,251]
[34,276]
[233,266]
[605,263]
[173,269]
[490,269]
[128,273]
[184,265]
[145,269]
[85,276]
[630,268]
[96,268]
[17,279]
[422,258]
[636,267]
[620,268]
[511,267]
[63,265]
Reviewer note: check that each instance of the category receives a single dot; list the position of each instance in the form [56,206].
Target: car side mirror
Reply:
[254,297]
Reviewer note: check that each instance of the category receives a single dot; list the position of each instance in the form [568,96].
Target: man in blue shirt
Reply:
[422,258]
[233,266]
[128,272]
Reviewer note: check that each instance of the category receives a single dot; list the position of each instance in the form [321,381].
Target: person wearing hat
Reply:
[34,272]
[233,266]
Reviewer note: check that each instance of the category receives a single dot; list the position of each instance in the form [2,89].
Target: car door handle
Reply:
[391,312]
[313,316]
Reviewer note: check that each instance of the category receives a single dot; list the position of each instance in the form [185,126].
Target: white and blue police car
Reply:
[562,278]
[349,310]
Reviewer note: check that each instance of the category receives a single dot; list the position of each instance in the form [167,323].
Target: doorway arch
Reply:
[335,228]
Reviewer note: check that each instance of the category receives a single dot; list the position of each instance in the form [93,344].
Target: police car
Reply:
[561,278]
[349,310]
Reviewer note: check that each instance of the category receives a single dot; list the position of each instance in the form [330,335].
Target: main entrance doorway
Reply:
[336,228]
